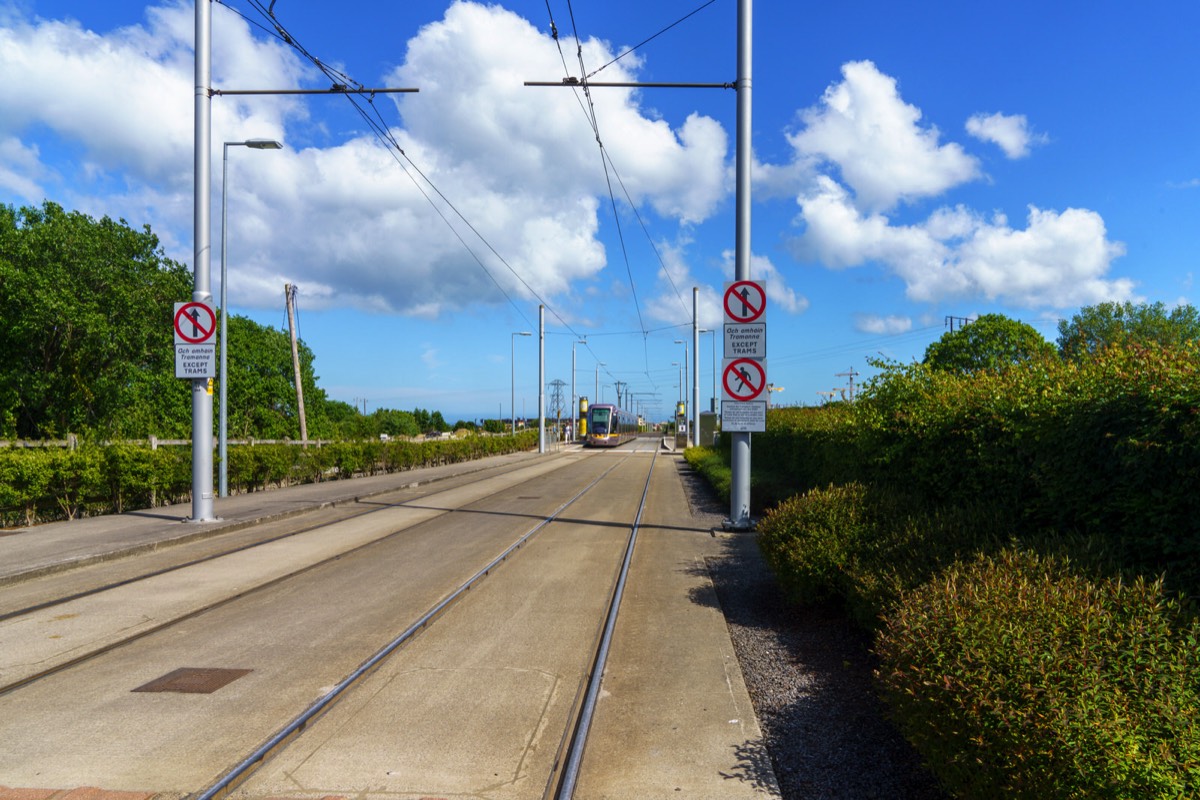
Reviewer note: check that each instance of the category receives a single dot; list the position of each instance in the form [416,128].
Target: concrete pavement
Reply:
[674,719]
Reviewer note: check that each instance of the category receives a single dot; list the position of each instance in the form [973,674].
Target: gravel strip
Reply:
[809,675]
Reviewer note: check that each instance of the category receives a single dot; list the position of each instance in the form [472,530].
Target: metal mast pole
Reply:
[223,414]
[695,369]
[202,412]
[541,379]
[739,491]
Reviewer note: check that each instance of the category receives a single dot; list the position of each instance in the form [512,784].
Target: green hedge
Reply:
[45,484]
[1018,678]
[1023,544]
[865,546]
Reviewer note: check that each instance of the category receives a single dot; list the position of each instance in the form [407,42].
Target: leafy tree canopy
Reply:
[992,342]
[1097,327]
[85,327]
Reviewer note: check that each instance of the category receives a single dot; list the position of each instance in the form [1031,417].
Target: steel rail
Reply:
[242,527]
[570,773]
[239,773]
[13,686]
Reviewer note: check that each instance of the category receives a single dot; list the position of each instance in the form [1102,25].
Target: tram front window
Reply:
[599,424]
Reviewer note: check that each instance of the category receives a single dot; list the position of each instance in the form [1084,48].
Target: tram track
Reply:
[564,774]
[12,619]
[422,668]
[219,544]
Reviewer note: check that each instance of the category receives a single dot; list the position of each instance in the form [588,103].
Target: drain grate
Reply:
[194,680]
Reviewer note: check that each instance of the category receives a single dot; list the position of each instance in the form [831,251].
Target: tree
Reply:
[992,342]
[1099,326]
[85,327]
[346,421]
[262,391]
[395,423]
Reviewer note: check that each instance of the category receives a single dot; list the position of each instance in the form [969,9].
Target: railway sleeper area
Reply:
[427,640]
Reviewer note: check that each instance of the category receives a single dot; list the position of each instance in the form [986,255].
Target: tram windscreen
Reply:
[599,423]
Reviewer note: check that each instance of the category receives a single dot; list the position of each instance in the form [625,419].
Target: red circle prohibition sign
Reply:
[745,301]
[744,379]
[200,318]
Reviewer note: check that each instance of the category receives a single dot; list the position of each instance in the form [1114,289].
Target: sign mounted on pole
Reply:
[745,301]
[744,376]
[743,379]
[195,327]
[739,417]
[195,323]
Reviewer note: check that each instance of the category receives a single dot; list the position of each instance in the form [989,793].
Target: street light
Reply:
[223,447]
[713,401]
[599,364]
[683,383]
[574,399]
[513,361]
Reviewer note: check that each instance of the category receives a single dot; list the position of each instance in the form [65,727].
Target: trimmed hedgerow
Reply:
[44,484]
[1016,677]
[864,546]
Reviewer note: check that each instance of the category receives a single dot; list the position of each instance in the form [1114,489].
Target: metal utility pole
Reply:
[202,412]
[574,396]
[541,379]
[695,369]
[556,399]
[965,321]
[739,490]
[289,295]
[848,374]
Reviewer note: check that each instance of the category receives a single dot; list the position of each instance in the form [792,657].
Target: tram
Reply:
[609,426]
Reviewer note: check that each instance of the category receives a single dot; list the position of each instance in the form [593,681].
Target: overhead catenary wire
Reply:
[384,134]
[373,118]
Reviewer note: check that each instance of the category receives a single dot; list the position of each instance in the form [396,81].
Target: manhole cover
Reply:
[194,680]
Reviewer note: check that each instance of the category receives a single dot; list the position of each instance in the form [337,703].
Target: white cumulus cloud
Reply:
[1010,132]
[882,326]
[346,222]
[866,151]
[876,142]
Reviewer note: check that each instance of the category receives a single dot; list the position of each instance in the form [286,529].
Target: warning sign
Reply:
[744,379]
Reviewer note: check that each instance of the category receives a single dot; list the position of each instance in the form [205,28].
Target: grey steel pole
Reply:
[574,404]
[695,369]
[513,363]
[541,379]
[512,402]
[202,421]
[739,492]
[223,412]
[713,401]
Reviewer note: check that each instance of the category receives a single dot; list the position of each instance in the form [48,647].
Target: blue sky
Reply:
[912,162]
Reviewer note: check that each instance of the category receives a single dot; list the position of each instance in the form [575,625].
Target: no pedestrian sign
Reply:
[744,379]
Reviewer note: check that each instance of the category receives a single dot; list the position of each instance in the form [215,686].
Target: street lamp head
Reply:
[263,144]
[522,333]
